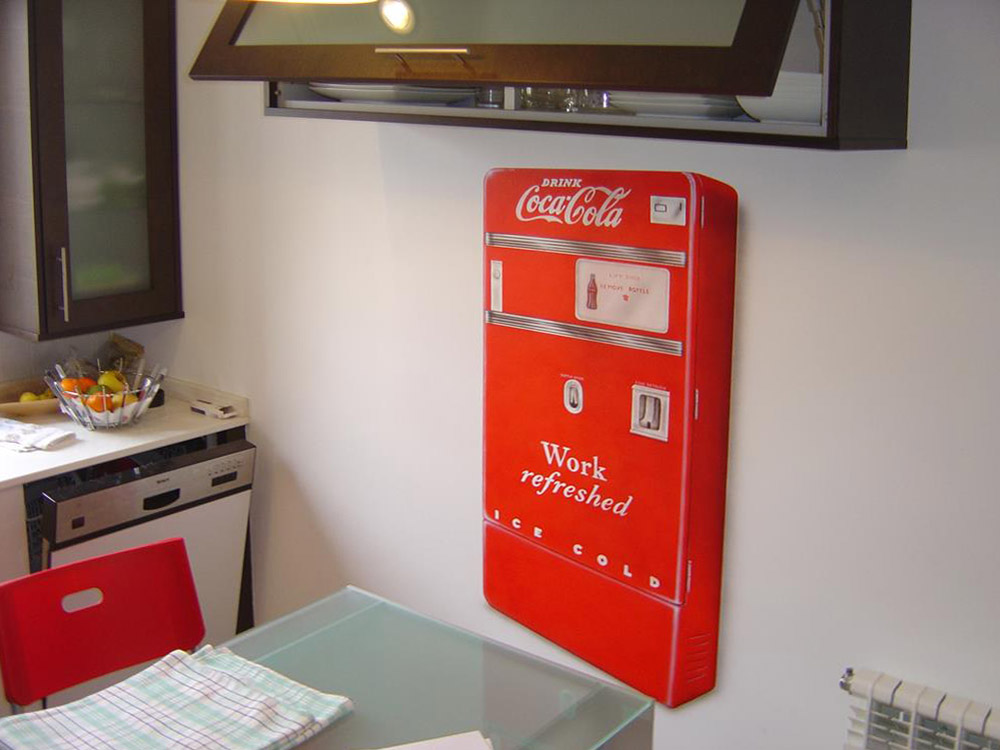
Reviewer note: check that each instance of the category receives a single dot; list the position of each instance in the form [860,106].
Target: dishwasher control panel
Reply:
[141,492]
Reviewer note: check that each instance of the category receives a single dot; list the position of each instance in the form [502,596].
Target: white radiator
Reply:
[890,714]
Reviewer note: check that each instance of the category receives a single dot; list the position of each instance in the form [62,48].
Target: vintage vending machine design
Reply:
[608,340]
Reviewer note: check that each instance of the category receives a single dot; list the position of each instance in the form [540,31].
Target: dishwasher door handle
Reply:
[156,502]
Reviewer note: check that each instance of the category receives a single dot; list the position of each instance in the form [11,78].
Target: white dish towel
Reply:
[211,699]
[22,436]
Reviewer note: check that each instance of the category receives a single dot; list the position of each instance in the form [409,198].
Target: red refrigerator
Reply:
[608,341]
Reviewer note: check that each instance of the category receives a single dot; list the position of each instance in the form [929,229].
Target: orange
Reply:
[84,384]
[100,401]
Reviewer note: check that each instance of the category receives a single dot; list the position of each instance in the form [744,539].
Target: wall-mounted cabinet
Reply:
[88,169]
[816,73]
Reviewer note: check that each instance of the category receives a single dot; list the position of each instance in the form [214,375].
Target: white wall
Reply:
[20,358]
[332,273]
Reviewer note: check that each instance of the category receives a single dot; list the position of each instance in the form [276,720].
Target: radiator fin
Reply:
[890,714]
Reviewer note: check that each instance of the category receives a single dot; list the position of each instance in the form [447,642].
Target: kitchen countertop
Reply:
[171,423]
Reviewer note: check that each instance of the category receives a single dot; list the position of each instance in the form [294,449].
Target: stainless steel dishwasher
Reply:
[198,489]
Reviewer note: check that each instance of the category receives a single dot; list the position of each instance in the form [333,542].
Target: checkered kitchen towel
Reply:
[211,700]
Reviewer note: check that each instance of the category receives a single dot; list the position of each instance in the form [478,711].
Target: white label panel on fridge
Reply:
[623,294]
[650,412]
[667,210]
[496,285]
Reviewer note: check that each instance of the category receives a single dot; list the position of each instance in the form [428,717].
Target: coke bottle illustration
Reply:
[592,293]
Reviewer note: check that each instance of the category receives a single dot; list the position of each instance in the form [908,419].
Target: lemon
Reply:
[27,396]
[112,380]
[120,399]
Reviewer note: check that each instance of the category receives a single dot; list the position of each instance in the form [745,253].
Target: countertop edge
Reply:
[171,423]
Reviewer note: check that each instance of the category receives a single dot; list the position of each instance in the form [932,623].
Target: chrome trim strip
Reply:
[64,264]
[421,50]
[586,333]
[593,249]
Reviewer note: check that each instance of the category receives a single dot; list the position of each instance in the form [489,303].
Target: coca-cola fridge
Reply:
[608,340]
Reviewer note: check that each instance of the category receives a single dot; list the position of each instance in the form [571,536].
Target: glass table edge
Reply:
[642,704]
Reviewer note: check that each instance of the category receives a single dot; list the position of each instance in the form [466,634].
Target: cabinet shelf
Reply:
[296,100]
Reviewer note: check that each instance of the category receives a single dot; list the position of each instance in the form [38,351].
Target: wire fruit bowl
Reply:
[98,407]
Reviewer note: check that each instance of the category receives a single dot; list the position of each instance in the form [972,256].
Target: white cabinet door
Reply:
[214,534]
[13,537]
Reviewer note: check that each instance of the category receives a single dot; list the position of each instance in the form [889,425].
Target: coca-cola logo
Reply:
[588,205]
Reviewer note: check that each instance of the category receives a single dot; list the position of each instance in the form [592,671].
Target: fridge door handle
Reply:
[496,285]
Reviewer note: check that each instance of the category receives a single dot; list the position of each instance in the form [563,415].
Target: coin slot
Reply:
[573,396]
[667,210]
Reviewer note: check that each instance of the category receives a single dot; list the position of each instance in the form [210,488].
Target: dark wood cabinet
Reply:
[88,179]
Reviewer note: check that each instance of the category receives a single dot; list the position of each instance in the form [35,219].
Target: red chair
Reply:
[82,620]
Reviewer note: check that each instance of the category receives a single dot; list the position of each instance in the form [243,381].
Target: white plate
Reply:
[680,109]
[797,97]
[667,97]
[678,105]
[400,94]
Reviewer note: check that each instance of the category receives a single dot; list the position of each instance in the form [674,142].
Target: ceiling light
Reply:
[397,14]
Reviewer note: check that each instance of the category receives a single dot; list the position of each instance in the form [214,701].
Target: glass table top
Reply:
[413,678]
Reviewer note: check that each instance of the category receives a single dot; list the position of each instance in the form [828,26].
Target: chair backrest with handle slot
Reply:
[69,624]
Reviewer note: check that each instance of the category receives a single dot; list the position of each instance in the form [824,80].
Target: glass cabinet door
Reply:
[107,161]
[704,23]
[686,46]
